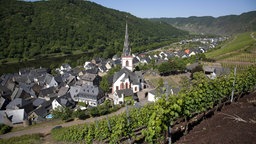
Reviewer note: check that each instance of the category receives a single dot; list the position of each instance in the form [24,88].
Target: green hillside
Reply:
[224,25]
[239,51]
[57,27]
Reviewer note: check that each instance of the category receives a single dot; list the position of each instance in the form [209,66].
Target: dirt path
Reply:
[235,124]
[46,129]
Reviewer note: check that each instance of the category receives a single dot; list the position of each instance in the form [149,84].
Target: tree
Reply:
[63,113]
[104,85]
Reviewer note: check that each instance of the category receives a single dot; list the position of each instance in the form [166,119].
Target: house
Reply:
[28,89]
[37,102]
[89,65]
[119,96]
[48,93]
[90,79]
[20,93]
[5,92]
[103,68]
[50,81]
[97,61]
[10,117]
[63,91]
[91,95]
[63,101]
[5,78]
[65,67]
[154,94]
[3,102]
[210,72]
[192,66]
[40,113]
[109,64]
[20,103]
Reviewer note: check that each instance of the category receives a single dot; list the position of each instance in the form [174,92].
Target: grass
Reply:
[25,139]
[46,123]
[173,80]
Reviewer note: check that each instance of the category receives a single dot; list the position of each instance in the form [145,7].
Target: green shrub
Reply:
[4,128]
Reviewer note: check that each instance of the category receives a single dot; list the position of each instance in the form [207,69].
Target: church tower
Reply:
[126,56]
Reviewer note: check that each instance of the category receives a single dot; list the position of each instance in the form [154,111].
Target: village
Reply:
[33,93]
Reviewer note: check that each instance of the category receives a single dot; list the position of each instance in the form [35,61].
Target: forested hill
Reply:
[32,29]
[224,25]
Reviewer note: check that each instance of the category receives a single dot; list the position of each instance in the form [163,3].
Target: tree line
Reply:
[30,29]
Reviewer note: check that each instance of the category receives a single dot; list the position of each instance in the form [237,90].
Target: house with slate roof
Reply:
[91,95]
[120,95]
[10,117]
[63,101]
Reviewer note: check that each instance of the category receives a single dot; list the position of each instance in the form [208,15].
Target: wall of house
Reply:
[151,97]
[55,104]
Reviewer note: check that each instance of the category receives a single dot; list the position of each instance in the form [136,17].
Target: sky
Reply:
[179,8]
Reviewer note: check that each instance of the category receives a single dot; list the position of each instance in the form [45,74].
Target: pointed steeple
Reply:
[126,49]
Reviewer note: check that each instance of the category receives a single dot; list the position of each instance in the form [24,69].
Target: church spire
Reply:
[126,49]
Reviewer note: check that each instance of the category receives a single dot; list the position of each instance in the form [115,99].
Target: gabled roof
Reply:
[128,74]
[89,77]
[15,116]
[90,92]
[5,78]
[3,102]
[37,102]
[47,91]
[93,71]
[63,91]
[4,91]
[192,66]
[66,100]
[124,92]
[103,68]
[18,103]
[48,78]
[208,69]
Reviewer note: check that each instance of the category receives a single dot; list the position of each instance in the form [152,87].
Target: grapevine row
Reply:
[157,117]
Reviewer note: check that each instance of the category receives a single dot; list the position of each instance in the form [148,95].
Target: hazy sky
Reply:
[179,8]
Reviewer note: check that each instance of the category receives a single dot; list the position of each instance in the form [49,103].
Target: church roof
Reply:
[128,74]
[126,49]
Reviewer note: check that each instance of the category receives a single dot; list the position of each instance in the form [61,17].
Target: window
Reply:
[127,63]
[116,87]
[126,85]
[135,89]
[122,86]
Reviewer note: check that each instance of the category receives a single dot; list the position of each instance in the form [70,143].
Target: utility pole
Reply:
[233,89]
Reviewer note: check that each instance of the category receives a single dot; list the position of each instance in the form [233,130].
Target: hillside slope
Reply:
[32,29]
[240,51]
[225,25]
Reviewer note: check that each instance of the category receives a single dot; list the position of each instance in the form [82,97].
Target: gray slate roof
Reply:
[128,74]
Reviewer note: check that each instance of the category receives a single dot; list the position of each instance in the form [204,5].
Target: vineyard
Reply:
[240,52]
[152,122]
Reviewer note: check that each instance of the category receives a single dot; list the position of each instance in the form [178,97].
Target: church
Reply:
[126,80]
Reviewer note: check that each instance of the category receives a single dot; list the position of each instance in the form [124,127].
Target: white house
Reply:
[89,94]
